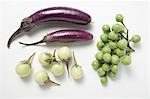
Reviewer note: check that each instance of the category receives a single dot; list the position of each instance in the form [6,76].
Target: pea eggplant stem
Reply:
[66,35]
[65,14]
[127,38]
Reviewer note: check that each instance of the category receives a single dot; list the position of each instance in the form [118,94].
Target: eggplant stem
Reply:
[49,81]
[54,83]
[127,37]
[29,44]
[13,36]
[74,59]
[67,64]
[54,53]
[30,58]
[54,56]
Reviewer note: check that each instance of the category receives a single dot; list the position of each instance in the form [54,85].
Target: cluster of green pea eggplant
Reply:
[56,65]
[114,46]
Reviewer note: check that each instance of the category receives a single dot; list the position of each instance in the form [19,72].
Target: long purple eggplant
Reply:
[51,14]
[66,35]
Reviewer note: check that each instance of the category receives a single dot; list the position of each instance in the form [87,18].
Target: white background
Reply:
[132,81]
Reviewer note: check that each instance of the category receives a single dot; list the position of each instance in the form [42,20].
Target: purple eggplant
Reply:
[66,35]
[65,14]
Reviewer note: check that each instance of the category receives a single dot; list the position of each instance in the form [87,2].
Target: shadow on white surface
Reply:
[28,79]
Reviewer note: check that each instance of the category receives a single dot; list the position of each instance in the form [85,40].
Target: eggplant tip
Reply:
[8,44]
[14,35]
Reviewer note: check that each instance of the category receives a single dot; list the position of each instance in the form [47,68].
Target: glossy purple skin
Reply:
[51,14]
[60,14]
[68,36]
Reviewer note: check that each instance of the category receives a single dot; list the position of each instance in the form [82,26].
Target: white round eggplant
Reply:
[57,68]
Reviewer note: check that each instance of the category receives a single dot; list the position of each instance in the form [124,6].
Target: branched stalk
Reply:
[127,38]
[126,30]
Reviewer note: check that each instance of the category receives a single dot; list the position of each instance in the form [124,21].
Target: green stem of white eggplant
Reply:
[74,59]
[29,60]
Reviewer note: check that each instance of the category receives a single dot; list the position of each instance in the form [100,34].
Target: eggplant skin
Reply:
[68,35]
[66,14]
